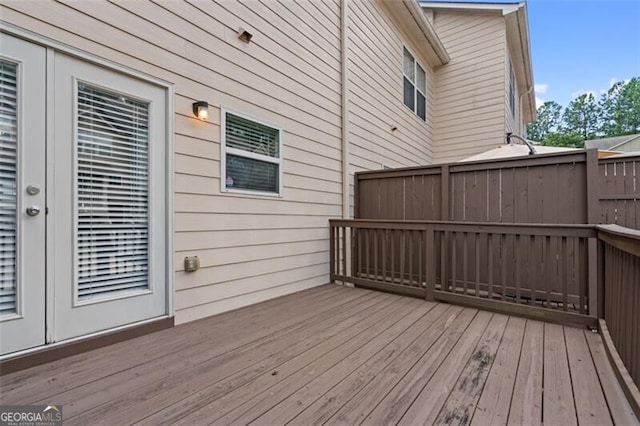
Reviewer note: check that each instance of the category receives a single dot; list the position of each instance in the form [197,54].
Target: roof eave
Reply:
[523,27]
[418,24]
[517,26]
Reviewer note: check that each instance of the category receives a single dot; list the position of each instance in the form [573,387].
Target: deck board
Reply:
[495,401]
[526,401]
[337,355]
[558,403]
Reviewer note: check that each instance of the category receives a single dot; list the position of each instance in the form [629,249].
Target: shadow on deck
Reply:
[337,355]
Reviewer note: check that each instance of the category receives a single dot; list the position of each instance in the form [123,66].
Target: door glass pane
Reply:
[8,194]
[112,193]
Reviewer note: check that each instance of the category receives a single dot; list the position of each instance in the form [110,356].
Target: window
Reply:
[512,90]
[251,156]
[8,194]
[414,81]
[113,186]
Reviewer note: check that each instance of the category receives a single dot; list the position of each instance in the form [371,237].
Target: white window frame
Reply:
[416,65]
[246,154]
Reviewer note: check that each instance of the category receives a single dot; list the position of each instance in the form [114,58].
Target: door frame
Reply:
[52,47]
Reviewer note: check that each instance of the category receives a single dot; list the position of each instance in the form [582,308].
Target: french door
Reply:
[22,194]
[83,198]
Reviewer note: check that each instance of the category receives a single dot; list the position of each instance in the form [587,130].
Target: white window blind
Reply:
[8,195]
[252,155]
[112,193]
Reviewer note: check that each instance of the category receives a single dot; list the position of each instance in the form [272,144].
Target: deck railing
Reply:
[581,274]
[543,270]
[620,253]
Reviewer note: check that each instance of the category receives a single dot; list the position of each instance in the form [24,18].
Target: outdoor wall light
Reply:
[201,110]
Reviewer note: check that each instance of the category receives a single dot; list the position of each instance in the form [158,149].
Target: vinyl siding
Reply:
[376,98]
[471,89]
[251,248]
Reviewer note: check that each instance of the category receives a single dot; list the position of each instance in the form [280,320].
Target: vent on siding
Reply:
[112,194]
[8,194]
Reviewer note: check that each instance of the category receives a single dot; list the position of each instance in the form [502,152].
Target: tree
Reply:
[582,117]
[569,139]
[548,121]
[621,108]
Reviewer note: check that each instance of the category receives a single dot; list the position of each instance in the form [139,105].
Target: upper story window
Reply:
[251,156]
[414,81]
[511,89]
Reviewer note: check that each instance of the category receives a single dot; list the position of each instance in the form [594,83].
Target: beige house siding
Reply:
[250,248]
[375,95]
[471,88]
[631,146]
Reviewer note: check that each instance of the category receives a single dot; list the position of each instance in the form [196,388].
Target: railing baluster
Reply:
[344,250]
[385,246]
[429,264]
[393,257]
[421,241]
[375,253]
[477,238]
[444,254]
[367,254]
[403,256]
[490,261]
[465,262]
[332,253]
[545,265]
[411,254]
[503,264]
[576,267]
[518,264]
[530,279]
[454,284]
[563,274]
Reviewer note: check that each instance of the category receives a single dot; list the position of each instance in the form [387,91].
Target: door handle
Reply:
[33,210]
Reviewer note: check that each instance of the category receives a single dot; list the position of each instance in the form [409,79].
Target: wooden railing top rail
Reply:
[625,239]
[569,230]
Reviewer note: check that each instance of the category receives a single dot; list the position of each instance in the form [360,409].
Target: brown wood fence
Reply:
[571,188]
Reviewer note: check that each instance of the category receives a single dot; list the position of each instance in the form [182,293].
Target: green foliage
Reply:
[549,120]
[621,108]
[569,139]
[615,113]
[582,116]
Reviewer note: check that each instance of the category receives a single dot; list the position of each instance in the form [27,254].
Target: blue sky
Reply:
[582,46]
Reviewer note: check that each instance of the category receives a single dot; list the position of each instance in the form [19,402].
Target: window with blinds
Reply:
[8,182]
[112,194]
[252,155]
[414,85]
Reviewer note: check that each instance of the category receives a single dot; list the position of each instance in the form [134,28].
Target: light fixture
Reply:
[244,35]
[201,110]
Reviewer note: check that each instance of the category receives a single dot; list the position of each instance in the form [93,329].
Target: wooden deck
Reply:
[336,355]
